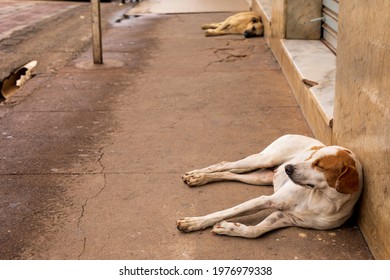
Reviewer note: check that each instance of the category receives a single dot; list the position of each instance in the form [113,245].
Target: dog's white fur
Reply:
[245,23]
[315,186]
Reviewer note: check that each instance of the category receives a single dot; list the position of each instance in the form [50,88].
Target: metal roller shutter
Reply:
[330,13]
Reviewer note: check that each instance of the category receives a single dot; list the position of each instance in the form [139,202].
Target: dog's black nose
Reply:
[248,34]
[289,169]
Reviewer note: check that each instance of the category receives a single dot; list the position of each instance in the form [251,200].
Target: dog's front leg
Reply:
[276,220]
[215,32]
[278,152]
[199,177]
[250,163]
[197,223]
[211,25]
[259,177]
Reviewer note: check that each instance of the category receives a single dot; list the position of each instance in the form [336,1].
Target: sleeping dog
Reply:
[246,23]
[315,186]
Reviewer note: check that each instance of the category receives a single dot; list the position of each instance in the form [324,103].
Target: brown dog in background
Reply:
[248,24]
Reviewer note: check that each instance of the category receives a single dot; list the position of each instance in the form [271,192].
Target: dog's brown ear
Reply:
[348,181]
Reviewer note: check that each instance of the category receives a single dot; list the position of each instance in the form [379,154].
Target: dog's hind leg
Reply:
[259,177]
[274,221]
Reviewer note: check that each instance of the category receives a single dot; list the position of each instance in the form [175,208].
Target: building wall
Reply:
[362,110]
[298,16]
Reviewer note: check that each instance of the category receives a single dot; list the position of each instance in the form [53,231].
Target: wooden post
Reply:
[96,32]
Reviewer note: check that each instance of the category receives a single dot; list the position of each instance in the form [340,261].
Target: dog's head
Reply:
[254,27]
[331,166]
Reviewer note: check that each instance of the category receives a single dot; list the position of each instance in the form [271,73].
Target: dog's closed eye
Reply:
[318,165]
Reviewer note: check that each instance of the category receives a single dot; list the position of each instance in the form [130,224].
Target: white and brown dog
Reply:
[315,186]
[246,23]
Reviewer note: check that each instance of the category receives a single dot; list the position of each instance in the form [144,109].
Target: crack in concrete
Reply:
[99,160]
[82,215]
[229,58]
[230,55]
[83,207]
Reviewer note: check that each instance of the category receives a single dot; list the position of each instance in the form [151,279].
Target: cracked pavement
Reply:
[91,159]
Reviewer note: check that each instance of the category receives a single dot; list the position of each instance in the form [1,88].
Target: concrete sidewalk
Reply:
[91,160]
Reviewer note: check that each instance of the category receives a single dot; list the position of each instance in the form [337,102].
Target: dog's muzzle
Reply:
[289,168]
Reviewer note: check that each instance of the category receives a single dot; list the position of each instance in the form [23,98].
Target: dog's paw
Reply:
[193,179]
[189,224]
[227,228]
[209,32]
